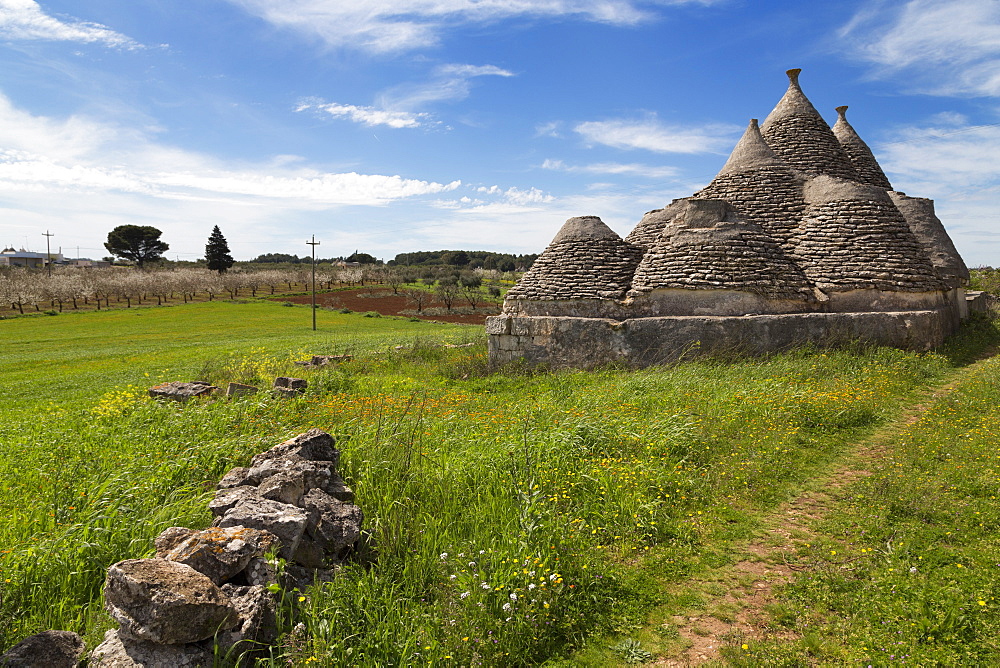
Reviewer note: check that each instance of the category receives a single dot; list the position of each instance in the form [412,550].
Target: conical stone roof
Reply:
[707,245]
[761,186]
[586,260]
[853,237]
[647,231]
[857,150]
[930,232]
[800,136]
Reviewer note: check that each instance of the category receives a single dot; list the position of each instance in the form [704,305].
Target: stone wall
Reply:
[214,592]
[640,342]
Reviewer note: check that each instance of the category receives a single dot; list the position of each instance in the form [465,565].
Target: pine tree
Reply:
[217,252]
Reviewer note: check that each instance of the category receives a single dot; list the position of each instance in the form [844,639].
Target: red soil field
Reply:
[384,302]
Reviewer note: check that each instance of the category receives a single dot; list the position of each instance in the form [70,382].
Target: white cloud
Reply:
[634,168]
[957,165]
[943,47]
[944,160]
[447,83]
[550,129]
[25,20]
[369,116]
[402,25]
[85,155]
[652,135]
[398,106]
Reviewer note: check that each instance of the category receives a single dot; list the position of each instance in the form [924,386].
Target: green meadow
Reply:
[516,517]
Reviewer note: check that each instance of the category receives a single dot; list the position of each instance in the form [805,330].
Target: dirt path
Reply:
[738,612]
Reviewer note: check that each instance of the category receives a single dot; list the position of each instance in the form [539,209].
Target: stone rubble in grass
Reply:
[219,553]
[215,588]
[240,390]
[48,649]
[118,651]
[165,602]
[285,386]
[181,391]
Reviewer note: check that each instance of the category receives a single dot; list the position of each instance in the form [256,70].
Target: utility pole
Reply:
[314,243]
[48,251]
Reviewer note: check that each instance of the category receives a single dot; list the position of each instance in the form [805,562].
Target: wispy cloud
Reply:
[632,169]
[403,25]
[957,165]
[446,83]
[399,106]
[652,135]
[944,159]
[25,20]
[944,47]
[369,116]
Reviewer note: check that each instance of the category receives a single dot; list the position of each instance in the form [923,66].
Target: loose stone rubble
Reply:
[48,649]
[181,391]
[213,587]
[799,238]
[289,387]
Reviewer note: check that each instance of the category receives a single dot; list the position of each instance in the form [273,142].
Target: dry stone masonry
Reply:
[212,590]
[799,238]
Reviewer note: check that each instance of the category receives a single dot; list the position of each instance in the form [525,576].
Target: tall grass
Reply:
[511,515]
[909,571]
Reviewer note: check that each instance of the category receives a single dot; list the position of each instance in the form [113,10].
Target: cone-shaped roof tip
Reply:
[751,152]
[861,155]
[793,76]
[582,228]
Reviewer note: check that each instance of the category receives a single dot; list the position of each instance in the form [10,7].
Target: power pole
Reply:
[48,251]
[314,243]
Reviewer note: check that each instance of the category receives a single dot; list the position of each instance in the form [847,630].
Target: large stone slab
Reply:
[313,445]
[218,552]
[181,391]
[285,521]
[335,526]
[118,651]
[165,602]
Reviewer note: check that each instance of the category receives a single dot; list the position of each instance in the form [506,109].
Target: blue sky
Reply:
[397,125]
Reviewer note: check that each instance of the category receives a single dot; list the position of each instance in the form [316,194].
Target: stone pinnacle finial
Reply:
[860,154]
[793,76]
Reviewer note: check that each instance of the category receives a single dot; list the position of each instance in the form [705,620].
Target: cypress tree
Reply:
[217,252]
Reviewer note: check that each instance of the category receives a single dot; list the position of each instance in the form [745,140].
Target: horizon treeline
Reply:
[453,258]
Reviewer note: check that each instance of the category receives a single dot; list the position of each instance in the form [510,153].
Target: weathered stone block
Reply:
[240,390]
[285,521]
[181,391]
[313,445]
[118,651]
[165,602]
[217,552]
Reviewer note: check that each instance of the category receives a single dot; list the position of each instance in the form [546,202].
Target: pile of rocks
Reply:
[177,390]
[211,592]
[324,360]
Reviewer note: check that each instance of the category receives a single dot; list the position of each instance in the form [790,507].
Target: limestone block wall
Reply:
[562,341]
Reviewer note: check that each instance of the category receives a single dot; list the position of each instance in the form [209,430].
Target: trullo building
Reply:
[799,238]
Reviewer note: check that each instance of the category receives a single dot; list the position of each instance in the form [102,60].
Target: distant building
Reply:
[22,258]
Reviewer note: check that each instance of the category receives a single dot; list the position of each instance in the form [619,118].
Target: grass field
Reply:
[519,518]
